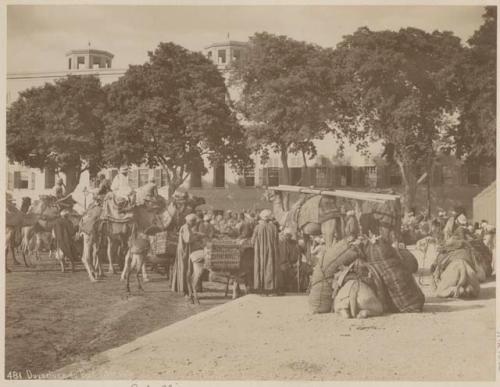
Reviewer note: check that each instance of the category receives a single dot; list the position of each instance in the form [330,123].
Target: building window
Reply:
[69,63]
[209,55]
[371,170]
[295,176]
[50,178]
[236,54]
[273,176]
[473,174]
[96,62]
[249,176]
[164,178]
[221,55]
[322,177]
[80,61]
[133,178]
[219,176]
[21,180]
[195,179]
[143,177]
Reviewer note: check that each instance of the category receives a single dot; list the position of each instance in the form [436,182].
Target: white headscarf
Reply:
[462,219]
[265,214]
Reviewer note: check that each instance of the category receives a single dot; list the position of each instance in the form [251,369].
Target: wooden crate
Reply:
[225,255]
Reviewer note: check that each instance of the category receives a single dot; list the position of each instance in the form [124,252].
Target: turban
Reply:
[265,214]
[462,219]
[191,217]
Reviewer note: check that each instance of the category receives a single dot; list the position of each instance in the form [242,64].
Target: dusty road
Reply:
[267,338]
[54,319]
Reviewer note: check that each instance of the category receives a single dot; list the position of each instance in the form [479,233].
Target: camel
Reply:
[16,220]
[46,211]
[308,216]
[98,232]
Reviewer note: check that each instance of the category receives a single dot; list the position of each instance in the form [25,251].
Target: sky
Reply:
[38,36]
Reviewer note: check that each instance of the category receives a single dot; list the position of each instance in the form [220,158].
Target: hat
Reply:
[191,217]
[123,168]
[462,219]
[265,214]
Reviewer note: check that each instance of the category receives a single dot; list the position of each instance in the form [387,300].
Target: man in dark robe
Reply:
[266,254]
[188,240]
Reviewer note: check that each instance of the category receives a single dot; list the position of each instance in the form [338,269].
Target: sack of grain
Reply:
[339,255]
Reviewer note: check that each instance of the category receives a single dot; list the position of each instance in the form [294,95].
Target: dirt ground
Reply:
[54,319]
[61,326]
[277,338]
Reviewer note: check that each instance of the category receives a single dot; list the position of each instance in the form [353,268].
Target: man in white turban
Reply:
[121,187]
[188,242]
[266,254]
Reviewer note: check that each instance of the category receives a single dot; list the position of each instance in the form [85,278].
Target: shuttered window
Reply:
[50,178]
[164,179]
[157,175]
[321,177]
[249,175]
[133,178]
[143,177]
[273,177]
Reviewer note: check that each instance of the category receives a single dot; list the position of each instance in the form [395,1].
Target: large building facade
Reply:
[327,169]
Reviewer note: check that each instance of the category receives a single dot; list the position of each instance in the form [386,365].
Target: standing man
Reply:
[266,254]
[187,237]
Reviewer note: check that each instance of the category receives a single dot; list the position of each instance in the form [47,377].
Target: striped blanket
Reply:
[402,288]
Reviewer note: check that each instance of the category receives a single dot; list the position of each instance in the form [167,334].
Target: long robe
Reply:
[181,265]
[266,256]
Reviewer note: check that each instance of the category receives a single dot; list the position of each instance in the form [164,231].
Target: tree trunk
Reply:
[410,185]
[286,176]
[72,178]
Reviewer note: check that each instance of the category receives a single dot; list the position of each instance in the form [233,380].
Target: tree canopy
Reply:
[475,76]
[58,126]
[284,95]
[394,86]
[172,112]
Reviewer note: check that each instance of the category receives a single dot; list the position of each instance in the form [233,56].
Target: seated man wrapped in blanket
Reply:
[462,263]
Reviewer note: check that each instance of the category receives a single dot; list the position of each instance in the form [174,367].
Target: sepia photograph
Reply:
[249,192]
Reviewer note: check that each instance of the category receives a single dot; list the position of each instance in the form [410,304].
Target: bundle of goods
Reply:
[336,256]
[163,243]
[224,255]
[402,288]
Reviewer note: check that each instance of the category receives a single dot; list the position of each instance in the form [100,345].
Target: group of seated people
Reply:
[415,227]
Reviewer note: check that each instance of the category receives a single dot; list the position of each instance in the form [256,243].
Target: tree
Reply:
[58,126]
[394,86]
[475,76]
[172,112]
[283,95]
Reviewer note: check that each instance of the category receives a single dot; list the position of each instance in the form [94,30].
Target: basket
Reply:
[224,255]
[159,243]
